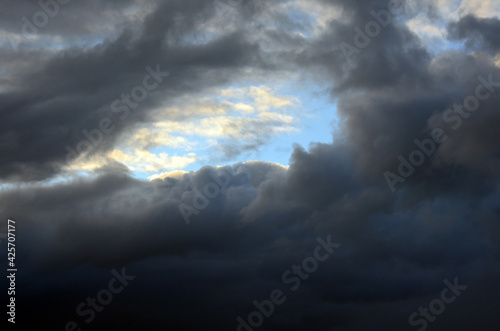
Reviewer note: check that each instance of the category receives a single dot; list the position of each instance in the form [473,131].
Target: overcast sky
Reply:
[218,150]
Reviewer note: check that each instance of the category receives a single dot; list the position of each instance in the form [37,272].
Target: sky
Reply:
[247,165]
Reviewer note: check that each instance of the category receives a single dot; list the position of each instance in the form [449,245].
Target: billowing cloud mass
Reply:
[104,106]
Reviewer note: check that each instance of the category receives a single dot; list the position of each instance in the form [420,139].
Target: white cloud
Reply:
[244,118]
[145,161]
[261,98]
[146,138]
[454,9]
[177,174]
[264,99]
[480,8]
[230,127]
[422,26]
[135,160]
[497,60]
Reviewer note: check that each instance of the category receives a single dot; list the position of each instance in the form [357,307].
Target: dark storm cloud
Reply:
[396,248]
[390,93]
[50,106]
[237,249]
[477,32]
[66,19]
[392,57]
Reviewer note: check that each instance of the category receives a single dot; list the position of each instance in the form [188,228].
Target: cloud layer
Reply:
[252,221]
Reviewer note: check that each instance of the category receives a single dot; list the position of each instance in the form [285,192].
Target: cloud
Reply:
[477,32]
[482,9]
[69,79]
[396,248]
[141,160]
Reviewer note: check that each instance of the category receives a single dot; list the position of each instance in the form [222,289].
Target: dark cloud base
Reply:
[396,248]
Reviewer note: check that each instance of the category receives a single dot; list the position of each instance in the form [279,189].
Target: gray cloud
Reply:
[477,32]
[396,247]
